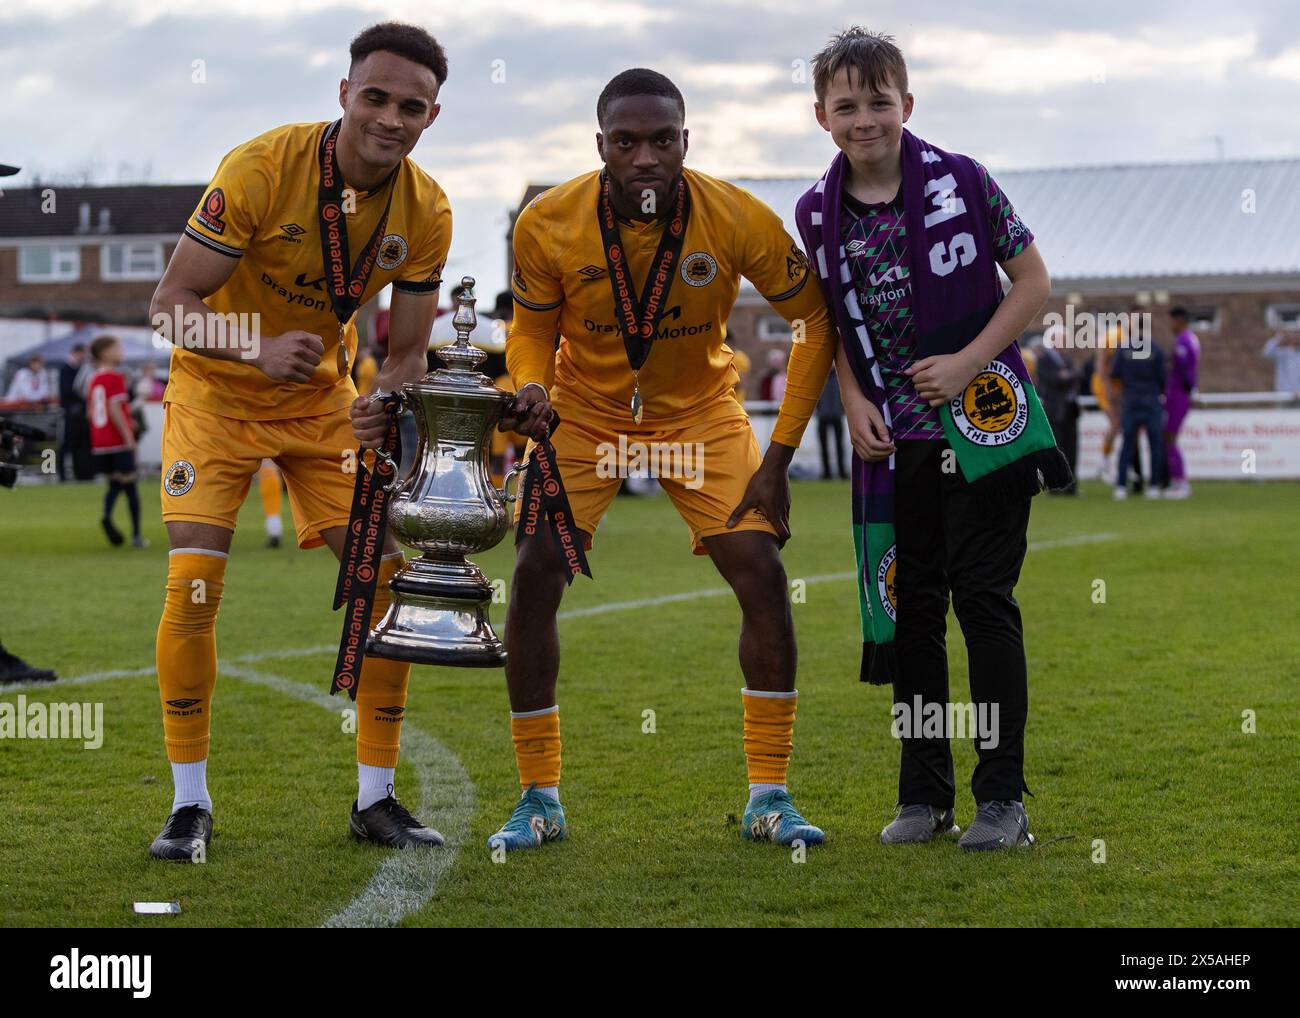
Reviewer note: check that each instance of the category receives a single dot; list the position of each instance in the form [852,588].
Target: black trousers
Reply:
[830,434]
[949,545]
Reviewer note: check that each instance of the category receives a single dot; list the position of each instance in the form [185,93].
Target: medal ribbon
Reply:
[363,546]
[638,320]
[345,288]
[545,500]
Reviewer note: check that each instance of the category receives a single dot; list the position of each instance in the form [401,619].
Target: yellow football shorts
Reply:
[703,467]
[210,460]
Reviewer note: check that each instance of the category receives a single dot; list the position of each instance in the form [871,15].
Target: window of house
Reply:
[1202,317]
[1282,316]
[49,263]
[773,329]
[124,261]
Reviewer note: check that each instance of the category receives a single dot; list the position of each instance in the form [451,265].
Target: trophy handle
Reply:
[504,491]
[394,402]
[398,480]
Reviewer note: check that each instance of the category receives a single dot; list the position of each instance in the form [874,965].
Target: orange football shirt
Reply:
[561,281]
[261,208]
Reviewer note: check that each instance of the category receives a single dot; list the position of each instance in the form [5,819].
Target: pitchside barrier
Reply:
[1250,436]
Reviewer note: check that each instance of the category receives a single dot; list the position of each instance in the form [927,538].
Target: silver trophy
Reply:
[447,508]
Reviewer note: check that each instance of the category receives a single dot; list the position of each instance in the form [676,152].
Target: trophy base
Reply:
[439,616]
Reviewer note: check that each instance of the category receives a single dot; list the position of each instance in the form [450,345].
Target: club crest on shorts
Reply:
[992,409]
[885,573]
[699,268]
[392,251]
[179,478]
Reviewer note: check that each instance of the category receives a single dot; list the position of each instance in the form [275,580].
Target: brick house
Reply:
[1217,237]
[88,253]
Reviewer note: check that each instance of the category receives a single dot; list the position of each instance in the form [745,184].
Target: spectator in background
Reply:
[1142,383]
[830,428]
[112,436]
[149,388]
[506,447]
[1179,387]
[773,386]
[366,369]
[76,435]
[1284,350]
[30,384]
[1058,388]
[144,389]
[741,362]
[1105,390]
[1029,354]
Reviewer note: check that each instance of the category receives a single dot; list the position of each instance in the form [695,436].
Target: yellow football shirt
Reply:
[261,208]
[561,280]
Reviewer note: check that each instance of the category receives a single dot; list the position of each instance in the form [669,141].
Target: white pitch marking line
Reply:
[572,613]
[691,595]
[406,880]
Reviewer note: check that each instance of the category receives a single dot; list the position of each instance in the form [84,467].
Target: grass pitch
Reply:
[1135,736]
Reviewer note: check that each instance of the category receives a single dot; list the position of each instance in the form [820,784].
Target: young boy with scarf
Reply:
[949,437]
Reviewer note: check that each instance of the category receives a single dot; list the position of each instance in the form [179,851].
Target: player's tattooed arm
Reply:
[410,320]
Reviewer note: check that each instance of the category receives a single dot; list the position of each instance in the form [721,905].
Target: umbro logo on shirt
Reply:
[591,273]
[854,247]
[292,231]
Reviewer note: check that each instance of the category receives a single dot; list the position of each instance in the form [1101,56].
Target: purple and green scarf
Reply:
[1004,446]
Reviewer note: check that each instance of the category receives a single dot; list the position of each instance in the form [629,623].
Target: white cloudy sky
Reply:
[101,89]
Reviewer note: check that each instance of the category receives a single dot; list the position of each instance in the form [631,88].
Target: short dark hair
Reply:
[873,57]
[638,81]
[100,344]
[1179,312]
[78,347]
[410,41]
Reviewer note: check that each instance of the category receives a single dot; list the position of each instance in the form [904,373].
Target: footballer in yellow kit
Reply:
[637,267]
[299,227]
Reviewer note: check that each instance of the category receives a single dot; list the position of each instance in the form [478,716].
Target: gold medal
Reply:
[342,357]
[637,407]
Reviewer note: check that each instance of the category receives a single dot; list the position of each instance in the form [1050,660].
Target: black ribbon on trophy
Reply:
[363,547]
[345,288]
[638,319]
[544,501]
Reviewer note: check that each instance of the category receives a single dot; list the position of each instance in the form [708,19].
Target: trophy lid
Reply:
[460,376]
[463,355]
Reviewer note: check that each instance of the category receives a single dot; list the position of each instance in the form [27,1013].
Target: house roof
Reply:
[133,210]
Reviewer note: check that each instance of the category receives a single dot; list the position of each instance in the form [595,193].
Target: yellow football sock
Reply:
[381,686]
[187,651]
[268,485]
[769,734]
[537,746]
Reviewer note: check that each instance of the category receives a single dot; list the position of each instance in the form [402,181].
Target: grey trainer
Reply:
[998,823]
[916,823]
